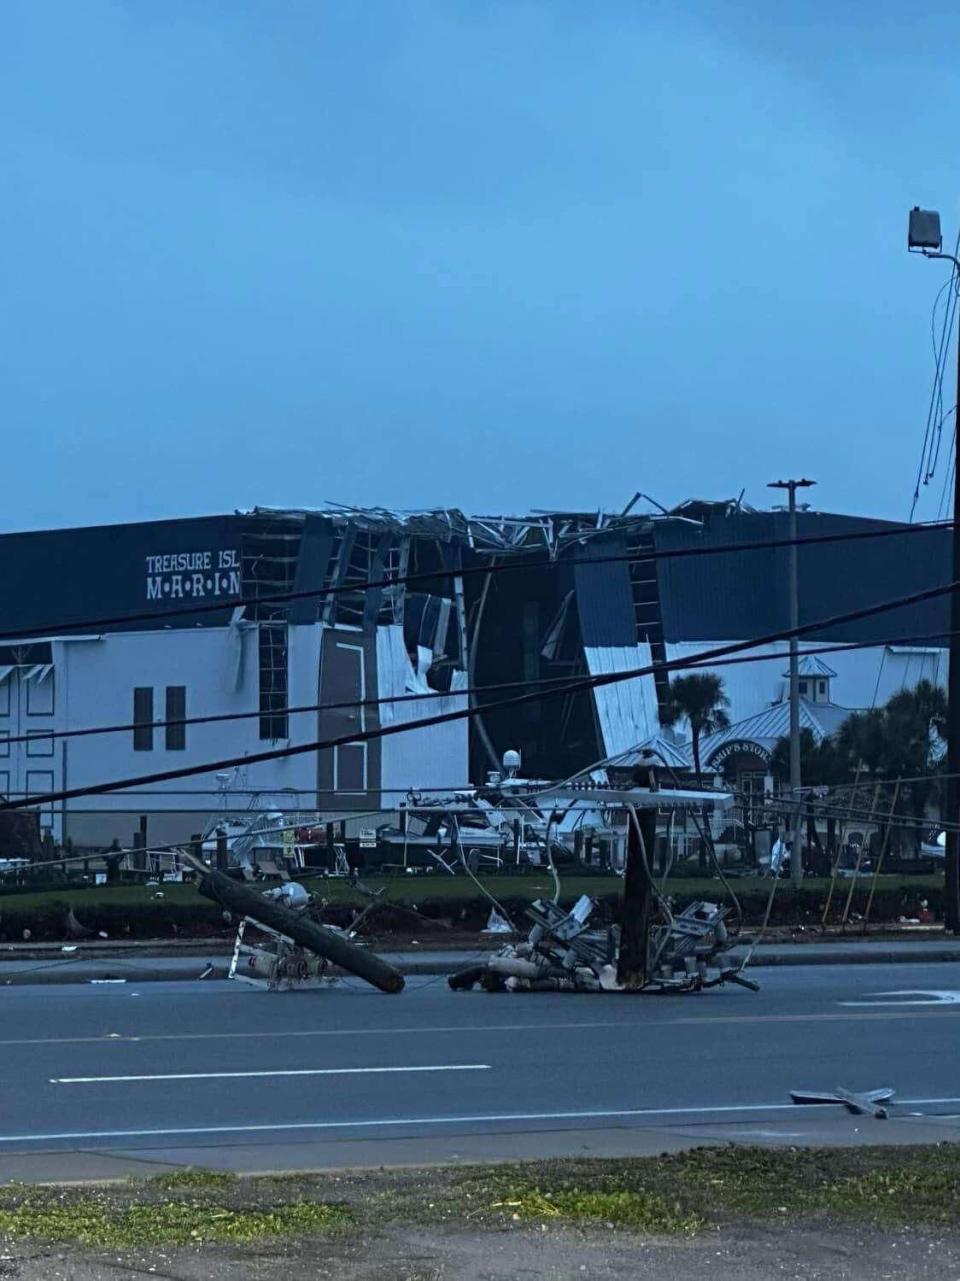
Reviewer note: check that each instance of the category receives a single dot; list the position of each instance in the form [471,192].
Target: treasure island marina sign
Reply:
[194,575]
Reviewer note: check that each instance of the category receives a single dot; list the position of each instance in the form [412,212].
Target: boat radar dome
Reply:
[511,763]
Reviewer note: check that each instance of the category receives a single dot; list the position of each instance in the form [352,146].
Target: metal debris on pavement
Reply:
[865,1103]
[563,954]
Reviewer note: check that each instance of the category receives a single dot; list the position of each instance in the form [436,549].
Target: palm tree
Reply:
[700,700]
[900,740]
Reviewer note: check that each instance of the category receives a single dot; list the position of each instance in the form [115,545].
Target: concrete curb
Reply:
[190,969]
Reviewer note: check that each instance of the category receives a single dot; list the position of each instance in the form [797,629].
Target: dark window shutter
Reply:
[143,718]
[176,737]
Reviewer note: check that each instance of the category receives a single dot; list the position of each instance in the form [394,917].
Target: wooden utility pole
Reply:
[924,237]
[243,901]
[638,895]
[796,847]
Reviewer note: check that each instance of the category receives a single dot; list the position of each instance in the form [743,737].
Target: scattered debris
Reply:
[497,924]
[869,1102]
[562,954]
[297,947]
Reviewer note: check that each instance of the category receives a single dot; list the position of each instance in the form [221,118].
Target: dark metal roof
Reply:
[810,665]
[604,598]
[736,595]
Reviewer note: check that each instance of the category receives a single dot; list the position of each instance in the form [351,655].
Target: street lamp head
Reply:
[923,232]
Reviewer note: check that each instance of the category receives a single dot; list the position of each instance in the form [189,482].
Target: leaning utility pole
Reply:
[636,907]
[924,235]
[796,852]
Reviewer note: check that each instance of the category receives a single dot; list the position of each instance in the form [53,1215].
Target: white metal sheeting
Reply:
[421,758]
[626,710]
[864,677]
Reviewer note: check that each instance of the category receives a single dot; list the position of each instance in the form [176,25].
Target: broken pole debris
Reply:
[244,901]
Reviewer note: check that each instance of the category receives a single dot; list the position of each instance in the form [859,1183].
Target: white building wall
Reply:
[865,677]
[96,680]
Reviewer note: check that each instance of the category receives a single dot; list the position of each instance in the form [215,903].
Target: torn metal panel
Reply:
[627,710]
[233,658]
[373,598]
[553,641]
[436,757]
[313,568]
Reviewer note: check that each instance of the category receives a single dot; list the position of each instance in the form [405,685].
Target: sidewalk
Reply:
[134,963]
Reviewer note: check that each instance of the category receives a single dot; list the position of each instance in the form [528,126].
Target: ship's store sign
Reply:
[737,747]
[193,575]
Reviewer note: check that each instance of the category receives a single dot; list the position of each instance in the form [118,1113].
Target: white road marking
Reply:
[390,1122]
[911,996]
[471,1029]
[228,1076]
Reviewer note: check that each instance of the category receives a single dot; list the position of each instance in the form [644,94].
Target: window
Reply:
[821,688]
[39,783]
[803,689]
[273,680]
[39,743]
[143,718]
[176,737]
[40,681]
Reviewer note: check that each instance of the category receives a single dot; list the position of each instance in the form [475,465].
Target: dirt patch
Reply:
[793,1252]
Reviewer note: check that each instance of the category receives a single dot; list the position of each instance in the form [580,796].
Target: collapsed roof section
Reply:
[549,531]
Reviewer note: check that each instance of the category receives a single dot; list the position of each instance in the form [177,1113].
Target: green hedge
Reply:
[131,912]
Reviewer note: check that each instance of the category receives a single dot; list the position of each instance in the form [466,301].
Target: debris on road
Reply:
[297,946]
[563,954]
[867,1103]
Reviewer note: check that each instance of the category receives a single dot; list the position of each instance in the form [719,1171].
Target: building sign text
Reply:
[737,747]
[193,575]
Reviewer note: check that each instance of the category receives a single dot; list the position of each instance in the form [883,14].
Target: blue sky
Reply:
[497,255]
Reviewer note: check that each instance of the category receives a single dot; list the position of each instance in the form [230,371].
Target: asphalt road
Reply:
[98,1080]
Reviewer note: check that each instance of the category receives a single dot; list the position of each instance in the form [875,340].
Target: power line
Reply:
[425,576]
[584,683]
[389,699]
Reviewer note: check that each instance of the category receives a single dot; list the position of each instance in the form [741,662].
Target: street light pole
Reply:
[924,236]
[796,850]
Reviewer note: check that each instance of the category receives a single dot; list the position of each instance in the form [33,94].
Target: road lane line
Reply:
[482,1119]
[942,1011]
[228,1076]
[911,996]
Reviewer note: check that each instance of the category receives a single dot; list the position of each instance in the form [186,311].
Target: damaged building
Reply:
[97,628]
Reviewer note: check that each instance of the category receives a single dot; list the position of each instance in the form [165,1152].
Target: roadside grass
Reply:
[681,1194]
[90,1223]
[640,1211]
[135,1215]
[193,1177]
[888,1186]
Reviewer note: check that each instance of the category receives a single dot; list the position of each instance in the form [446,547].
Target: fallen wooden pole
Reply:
[244,901]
